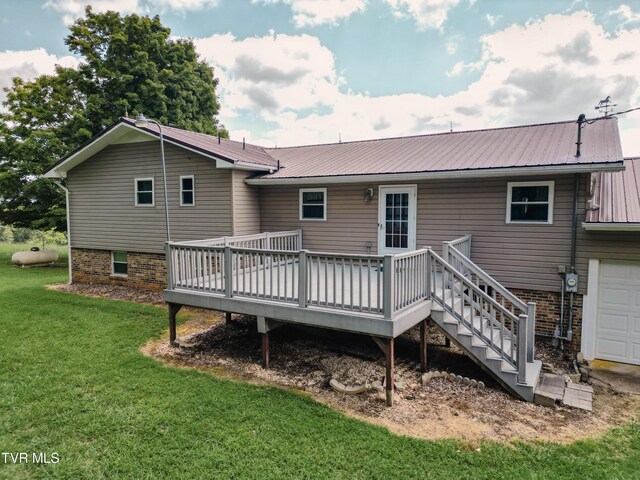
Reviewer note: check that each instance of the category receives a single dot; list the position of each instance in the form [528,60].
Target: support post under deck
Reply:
[424,363]
[265,349]
[389,371]
[228,317]
[174,308]
[387,347]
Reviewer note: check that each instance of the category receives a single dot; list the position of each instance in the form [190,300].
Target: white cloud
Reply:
[318,12]
[492,19]
[28,64]
[426,13]
[73,9]
[545,70]
[626,14]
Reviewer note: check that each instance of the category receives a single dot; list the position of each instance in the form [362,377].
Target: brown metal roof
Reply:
[552,144]
[617,195]
[229,150]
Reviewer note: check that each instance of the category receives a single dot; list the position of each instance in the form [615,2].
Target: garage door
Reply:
[618,333]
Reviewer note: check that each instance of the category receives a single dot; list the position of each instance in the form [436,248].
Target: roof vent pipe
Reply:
[581,119]
[243,143]
[218,138]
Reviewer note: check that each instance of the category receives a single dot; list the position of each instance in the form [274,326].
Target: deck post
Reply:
[302,278]
[522,349]
[174,308]
[169,257]
[228,271]
[388,294]
[445,251]
[265,349]
[424,364]
[389,371]
[531,330]
[227,317]
[299,239]
[447,342]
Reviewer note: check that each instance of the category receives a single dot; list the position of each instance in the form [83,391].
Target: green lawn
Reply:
[72,382]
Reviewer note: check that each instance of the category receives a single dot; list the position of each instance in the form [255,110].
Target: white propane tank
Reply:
[27,258]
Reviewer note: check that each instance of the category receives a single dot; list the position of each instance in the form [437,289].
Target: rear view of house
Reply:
[515,211]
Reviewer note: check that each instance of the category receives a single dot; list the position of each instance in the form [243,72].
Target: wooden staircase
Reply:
[492,326]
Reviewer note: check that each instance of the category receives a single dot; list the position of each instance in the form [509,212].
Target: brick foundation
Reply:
[146,271]
[548,313]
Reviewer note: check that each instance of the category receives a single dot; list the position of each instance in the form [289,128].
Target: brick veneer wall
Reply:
[548,313]
[145,270]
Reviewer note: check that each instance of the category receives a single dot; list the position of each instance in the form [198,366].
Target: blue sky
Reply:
[304,71]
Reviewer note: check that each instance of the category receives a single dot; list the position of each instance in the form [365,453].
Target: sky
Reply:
[297,72]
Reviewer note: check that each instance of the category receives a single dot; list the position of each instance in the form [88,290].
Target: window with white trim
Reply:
[313,204]
[119,263]
[187,191]
[144,192]
[530,202]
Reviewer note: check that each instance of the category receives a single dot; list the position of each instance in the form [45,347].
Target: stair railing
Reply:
[470,305]
[457,253]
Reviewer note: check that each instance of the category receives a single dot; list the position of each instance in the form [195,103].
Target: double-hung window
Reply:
[144,192]
[313,204]
[119,263]
[530,202]
[187,191]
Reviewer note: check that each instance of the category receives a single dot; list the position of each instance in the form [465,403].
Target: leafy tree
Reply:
[129,64]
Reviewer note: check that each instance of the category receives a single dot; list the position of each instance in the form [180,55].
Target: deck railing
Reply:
[289,241]
[372,284]
[345,282]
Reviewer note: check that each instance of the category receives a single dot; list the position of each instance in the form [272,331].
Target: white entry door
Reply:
[397,219]
[618,331]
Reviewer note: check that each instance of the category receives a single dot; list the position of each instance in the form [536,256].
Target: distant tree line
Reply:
[128,65]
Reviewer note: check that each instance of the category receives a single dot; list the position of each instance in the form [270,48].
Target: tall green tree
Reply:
[128,64]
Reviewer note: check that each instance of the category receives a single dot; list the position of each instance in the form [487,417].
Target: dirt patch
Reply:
[114,292]
[306,359]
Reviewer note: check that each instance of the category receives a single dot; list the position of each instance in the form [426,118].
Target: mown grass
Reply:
[73,382]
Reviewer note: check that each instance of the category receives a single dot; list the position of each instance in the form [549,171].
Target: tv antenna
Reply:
[606,105]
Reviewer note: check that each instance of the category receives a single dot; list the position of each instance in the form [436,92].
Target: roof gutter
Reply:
[442,175]
[612,227]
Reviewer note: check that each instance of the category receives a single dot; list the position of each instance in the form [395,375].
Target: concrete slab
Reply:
[550,390]
[622,377]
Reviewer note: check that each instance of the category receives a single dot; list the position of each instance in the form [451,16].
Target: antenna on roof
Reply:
[606,105]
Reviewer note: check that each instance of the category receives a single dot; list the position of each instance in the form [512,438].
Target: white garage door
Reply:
[618,334]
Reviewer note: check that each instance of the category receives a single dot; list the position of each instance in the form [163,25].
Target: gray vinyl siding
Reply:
[103,211]
[518,255]
[246,205]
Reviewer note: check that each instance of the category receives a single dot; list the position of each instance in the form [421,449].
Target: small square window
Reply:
[187,191]
[119,262]
[313,204]
[530,202]
[144,192]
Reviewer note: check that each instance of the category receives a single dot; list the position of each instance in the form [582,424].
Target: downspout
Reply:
[66,192]
[574,235]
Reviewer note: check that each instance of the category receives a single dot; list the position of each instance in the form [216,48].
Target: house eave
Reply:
[110,136]
[442,175]
[611,227]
